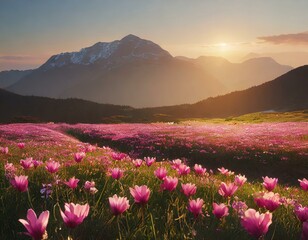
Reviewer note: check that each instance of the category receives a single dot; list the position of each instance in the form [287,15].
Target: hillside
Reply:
[16,108]
[285,93]
[11,77]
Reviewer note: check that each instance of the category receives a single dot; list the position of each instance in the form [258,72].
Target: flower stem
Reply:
[119,229]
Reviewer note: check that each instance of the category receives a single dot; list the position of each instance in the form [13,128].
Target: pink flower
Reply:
[93,190]
[183,169]
[268,200]
[52,166]
[36,227]
[116,173]
[74,214]
[227,190]
[199,169]
[10,170]
[118,205]
[304,184]
[72,182]
[36,163]
[256,224]
[301,212]
[90,148]
[27,163]
[225,171]
[189,189]
[88,185]
[21,145]
[195,207]
[269,183]
[287,201]
[137,162]
[141,194]
[79,156]
[4,150]
[220,210]
[240,180]
[305,231]
[176,163]
[160,173]
[149,161]
[169,183]
[118,156]
[20,183]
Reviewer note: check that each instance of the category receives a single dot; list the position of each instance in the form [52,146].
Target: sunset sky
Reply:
[33,30]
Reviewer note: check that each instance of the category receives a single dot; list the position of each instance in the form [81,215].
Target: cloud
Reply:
[292,39]
[16,58]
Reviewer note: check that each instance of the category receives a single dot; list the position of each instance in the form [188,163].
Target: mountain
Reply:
[294,59]
[131,71]
[239,76]
[8,78]
[285,93]
[17,108]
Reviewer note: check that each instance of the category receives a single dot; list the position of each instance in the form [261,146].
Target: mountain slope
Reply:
[130,71]
[285,93]
[239,76]
[140,84]
[8,78]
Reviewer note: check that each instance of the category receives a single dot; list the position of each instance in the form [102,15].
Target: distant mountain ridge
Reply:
[239,76]
[8,78]
[138,72]
[285,93]
[130,71]
[294,59]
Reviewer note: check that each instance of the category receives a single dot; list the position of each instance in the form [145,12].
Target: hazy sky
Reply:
[33,30]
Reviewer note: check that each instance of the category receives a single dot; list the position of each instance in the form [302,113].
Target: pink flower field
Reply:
[253,149]
[154,181]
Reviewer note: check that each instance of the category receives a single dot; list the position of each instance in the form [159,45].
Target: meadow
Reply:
[193,180]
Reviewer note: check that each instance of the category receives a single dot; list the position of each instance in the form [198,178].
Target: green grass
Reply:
[259,117]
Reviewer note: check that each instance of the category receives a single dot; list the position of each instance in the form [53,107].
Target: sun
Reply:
[222,44]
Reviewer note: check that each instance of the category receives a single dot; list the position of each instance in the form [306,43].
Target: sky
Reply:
[33,30]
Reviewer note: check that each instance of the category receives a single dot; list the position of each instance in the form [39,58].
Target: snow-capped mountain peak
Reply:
[129,47]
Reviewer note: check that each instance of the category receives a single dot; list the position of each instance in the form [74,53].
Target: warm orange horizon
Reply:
[33,31]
